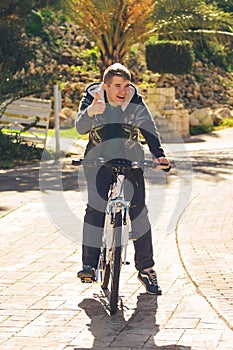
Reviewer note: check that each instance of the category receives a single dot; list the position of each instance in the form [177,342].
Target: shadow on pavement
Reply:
[20,179]
[213,164]
[114,331]
[46,176]
[27,178]
[205,164]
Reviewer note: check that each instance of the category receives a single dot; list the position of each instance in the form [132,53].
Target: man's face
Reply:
[117,90]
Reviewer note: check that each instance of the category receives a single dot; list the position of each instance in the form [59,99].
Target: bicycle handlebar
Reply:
[149,164]
[121,163]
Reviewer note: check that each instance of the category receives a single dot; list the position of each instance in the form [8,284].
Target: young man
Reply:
[113,113]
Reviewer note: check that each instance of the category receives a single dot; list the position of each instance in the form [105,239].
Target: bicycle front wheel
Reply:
[104,270]
[115,263]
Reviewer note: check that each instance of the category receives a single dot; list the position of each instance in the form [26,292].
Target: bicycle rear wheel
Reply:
[115,263]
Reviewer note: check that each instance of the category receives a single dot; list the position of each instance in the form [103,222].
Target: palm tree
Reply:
[175,19]
[115,25]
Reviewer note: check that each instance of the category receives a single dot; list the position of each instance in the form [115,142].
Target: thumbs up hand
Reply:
[97,107]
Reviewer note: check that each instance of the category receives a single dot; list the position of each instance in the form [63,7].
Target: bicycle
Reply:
[113,242]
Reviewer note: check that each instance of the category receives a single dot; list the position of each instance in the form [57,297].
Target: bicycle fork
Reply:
[117,205]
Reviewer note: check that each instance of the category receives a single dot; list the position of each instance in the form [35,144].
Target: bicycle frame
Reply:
[113,242]
[117,203]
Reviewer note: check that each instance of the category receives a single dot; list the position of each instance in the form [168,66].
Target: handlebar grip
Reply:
[77,162]
[167,169]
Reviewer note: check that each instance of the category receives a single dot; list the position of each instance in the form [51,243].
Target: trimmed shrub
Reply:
[174,57]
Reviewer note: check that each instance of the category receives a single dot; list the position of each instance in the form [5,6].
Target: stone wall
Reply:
[170,117]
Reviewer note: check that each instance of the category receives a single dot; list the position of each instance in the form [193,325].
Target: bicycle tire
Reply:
[115,263]
[104,271]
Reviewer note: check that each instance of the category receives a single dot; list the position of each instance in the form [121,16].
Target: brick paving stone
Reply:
[215,258]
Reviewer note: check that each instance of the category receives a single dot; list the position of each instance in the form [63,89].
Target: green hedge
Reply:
[174,57]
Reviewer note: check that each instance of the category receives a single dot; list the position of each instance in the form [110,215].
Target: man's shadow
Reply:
[137,331]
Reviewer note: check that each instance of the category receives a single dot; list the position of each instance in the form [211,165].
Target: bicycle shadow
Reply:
[138,331]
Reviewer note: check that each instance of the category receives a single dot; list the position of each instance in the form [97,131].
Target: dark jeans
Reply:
[98,183]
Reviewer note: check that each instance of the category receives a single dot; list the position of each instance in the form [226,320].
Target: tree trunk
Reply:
[107,59]
[161,80]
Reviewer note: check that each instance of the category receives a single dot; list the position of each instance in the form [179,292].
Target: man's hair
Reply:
[116,69]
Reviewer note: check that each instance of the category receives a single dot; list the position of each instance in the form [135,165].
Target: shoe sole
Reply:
[144,284]
[85,278]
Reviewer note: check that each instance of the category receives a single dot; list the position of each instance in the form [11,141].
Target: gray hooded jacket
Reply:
[115,133]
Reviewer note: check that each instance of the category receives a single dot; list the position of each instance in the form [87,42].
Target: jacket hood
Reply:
[98,87]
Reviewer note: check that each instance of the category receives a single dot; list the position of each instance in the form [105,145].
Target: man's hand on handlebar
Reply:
[162,163]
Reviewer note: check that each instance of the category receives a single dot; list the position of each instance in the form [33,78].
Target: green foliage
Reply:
[200,129]
[21,60]
[91,56]
[220,57]
[40,23]
[22,63]
[226,5]
[13,151]
[214,52]
[177,19]
[81,69]
[14,50]
[227,123]
[200,22]
[169,57]
[13,11]
[35,25]
[15,58]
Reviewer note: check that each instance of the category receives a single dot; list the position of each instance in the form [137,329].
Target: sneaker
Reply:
[149,280]
[87,274]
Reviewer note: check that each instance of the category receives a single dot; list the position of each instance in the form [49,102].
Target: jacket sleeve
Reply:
[153,140]
[149,131]
[83,122]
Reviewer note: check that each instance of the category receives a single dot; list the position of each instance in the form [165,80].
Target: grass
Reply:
[70,133]
[227,123]
[17,132]
[203,129]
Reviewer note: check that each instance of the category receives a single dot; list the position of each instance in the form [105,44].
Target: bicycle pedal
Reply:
[86,280]
[132,238]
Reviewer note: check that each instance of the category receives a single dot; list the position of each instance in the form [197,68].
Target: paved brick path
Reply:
[206,247]
[42,305]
